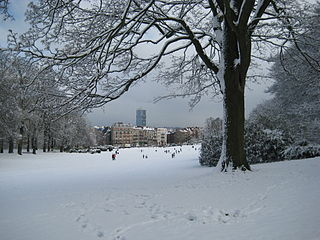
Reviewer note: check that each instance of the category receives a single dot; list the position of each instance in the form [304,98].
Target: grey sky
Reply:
[170,113]
[174,112]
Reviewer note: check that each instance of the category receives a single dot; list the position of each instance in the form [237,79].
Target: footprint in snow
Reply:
[100,234]
[227,216]
[120,238]
[82,220]
[191,217]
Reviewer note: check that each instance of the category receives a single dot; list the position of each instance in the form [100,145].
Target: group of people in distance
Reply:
[173,153]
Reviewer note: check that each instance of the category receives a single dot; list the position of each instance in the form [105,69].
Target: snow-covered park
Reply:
[82,196]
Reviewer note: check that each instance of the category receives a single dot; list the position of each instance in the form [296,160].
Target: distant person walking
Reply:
[113,156]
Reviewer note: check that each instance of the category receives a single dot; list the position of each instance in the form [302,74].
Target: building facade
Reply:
[122,135]
[182,136]
[141,118]
[188,135]
[161,136]
[144,136]
[126,135]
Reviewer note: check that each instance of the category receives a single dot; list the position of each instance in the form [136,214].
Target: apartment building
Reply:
[161,136]
[126,135]
[122,135]
[184,135]
[144,136]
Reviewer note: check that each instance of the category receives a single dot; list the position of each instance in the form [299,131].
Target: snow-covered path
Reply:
[54,196]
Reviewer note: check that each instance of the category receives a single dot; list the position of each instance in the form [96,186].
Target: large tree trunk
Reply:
[233,148]
[234,76]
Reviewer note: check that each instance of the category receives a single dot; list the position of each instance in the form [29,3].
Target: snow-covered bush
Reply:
[211,142]
[210,151]
[265,145]
[262,144]
[267,134]
[301,151]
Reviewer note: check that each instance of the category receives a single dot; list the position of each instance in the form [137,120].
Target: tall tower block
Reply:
[141,117]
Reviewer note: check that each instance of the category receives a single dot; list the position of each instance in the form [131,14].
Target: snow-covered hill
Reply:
[57,196]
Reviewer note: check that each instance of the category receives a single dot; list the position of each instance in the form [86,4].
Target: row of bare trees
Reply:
[30,112]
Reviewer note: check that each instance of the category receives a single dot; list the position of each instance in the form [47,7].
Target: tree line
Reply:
[31,114]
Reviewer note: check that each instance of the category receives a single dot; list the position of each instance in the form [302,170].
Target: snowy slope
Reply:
[53,196]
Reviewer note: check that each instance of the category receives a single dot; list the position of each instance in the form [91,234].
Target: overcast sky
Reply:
[169,113]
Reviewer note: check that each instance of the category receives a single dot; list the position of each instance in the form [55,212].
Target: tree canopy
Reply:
[99,49]
[30,105]
[296,87]
[113,44]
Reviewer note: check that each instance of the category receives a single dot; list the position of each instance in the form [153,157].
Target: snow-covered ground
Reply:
[57,196]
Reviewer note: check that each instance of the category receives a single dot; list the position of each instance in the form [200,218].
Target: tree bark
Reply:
[52,143]
[234,151]
[20,146]
[234,76]
[1,145]
[34,145]
[49,143]
[20,139]
[34,141]
[10,145]
[44,146]
[28,143]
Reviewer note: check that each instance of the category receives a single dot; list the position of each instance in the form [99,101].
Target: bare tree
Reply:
[30,105]
[104,47]
[4,9]
[296,87]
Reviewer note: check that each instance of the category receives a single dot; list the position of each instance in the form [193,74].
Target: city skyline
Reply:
[169,113]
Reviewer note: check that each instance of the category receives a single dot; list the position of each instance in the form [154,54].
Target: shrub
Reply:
[262,145]
[299,152]
[210,151]
[265,145]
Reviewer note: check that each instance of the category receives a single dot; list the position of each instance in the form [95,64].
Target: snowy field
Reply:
[80,196]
